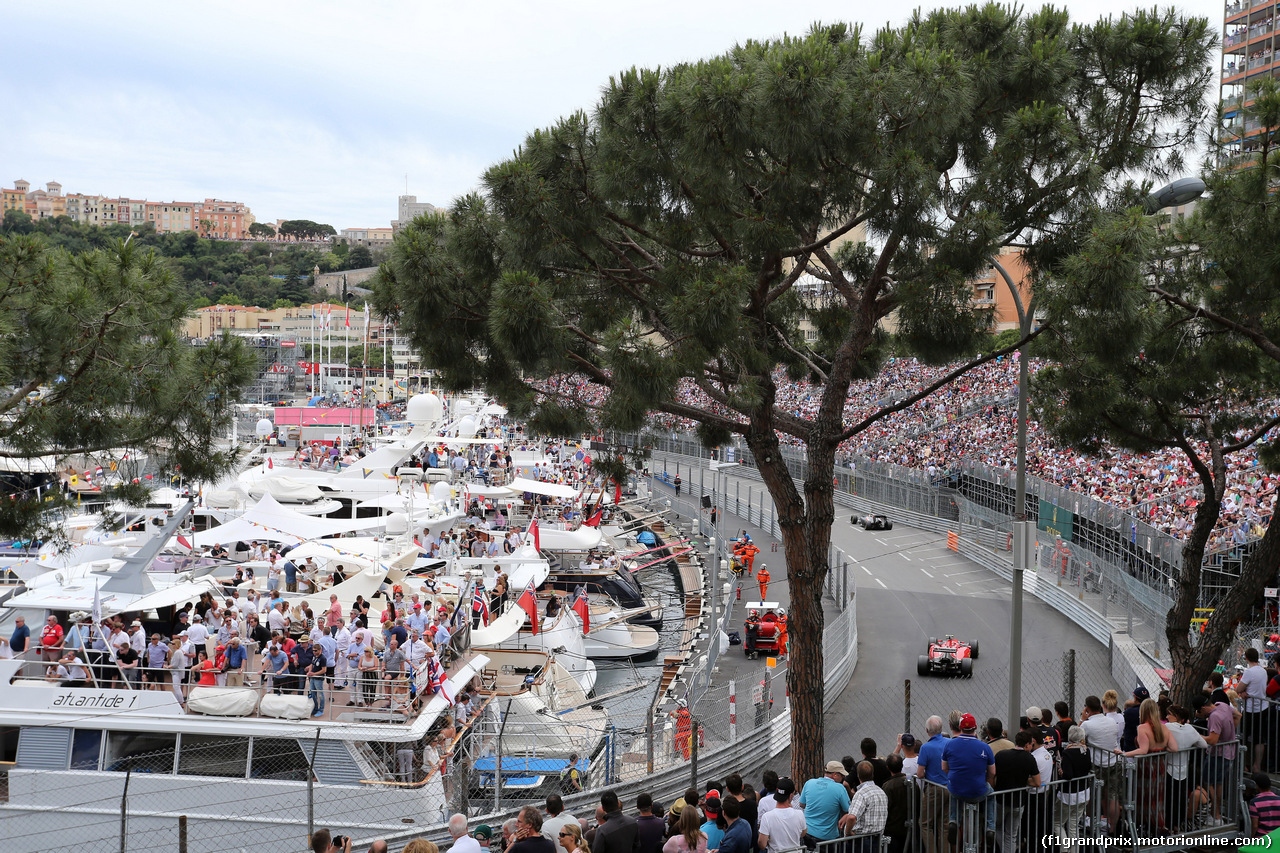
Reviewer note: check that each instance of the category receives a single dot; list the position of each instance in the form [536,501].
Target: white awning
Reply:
[268,519]
[555,490]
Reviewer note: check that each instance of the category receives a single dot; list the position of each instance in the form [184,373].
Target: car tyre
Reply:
[888,525]
[973,650]
[932,642]
[922,665]
[966,668]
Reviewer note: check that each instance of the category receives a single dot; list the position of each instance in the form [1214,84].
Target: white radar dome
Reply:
[264,428]
[467,427]
[423,409]
[440,491]
[397,524]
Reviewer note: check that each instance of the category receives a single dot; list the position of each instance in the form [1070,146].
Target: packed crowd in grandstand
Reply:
[974,419]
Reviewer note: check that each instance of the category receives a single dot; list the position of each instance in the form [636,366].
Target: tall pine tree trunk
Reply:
[805,526]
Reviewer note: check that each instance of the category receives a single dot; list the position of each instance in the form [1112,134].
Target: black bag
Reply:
[735,639]
[809,841]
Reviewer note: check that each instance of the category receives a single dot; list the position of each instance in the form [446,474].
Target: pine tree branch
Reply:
[1263,342]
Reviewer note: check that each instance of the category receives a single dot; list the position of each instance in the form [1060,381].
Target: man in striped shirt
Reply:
[1264,808]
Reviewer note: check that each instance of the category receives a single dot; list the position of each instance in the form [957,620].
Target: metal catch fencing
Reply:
[1123,579]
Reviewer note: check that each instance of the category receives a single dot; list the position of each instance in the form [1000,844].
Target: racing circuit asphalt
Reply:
[911,587]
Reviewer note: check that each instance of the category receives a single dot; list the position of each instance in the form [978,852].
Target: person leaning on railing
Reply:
[1153,738]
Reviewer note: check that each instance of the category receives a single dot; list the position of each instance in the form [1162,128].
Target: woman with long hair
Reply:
[570,836]
[369,666]
[689,837]
[1155,741]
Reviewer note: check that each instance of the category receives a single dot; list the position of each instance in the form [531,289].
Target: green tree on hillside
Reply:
[662,237]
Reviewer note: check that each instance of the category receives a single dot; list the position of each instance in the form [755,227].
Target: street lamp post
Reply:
[1179,192]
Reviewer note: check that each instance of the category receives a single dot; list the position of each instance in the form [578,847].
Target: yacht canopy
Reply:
[555,490]
[268,519]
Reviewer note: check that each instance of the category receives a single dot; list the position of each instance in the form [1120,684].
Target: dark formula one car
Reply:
[872,522]
[948,656]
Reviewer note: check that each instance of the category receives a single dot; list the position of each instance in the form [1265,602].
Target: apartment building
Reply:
[227,220]
[374,238]
[1248,51]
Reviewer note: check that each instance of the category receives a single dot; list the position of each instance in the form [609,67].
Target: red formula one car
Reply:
[948,657]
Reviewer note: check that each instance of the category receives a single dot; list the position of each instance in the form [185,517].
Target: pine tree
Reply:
[662,237]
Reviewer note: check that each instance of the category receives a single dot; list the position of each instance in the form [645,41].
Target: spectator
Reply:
[528,834]
[868,747]
[899,792]
[1264,808]
[1102,737]
[738,837]
[51,640]
[932,776]
[20,637]
[747,807]
[1073,795]
[688,836]
[462,842]
[970,766]
[711,827]
[1179,792]
[1252,688]
[650,829]
[1016,770]
[909,750]
[825,801]
[618,832]
[995,736]
[570,835]
[555,820]
[868,810]
[1222,749]
[783,826]
[1129,739]
[767,801]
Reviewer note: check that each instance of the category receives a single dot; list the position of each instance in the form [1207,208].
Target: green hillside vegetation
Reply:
[210,272]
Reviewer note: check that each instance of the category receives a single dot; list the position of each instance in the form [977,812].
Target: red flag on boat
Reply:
[594,521]
[583,608]
[480,604]
[533,531]
[528,602]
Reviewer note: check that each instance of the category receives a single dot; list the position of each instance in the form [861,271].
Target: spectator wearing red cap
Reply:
[970,766]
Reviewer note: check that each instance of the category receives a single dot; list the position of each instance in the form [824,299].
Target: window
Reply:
[278,758]
[85,746]
[144,752]
[208,755]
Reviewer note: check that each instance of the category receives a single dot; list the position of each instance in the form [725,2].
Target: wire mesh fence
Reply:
[1121,573]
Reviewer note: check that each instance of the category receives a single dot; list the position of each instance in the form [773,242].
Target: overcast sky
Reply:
[328,111]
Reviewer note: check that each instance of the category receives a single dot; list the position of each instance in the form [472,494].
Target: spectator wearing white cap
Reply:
[137,637]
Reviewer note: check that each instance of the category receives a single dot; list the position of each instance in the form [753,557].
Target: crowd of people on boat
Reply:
[1107,770]
[974,419]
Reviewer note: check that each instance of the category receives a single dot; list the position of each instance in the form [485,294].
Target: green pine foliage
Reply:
[91,360]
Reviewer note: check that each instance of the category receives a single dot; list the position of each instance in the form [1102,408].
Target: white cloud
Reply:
[318,110]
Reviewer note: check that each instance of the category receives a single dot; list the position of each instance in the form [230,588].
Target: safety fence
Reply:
[1109,533]
[1095,591]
